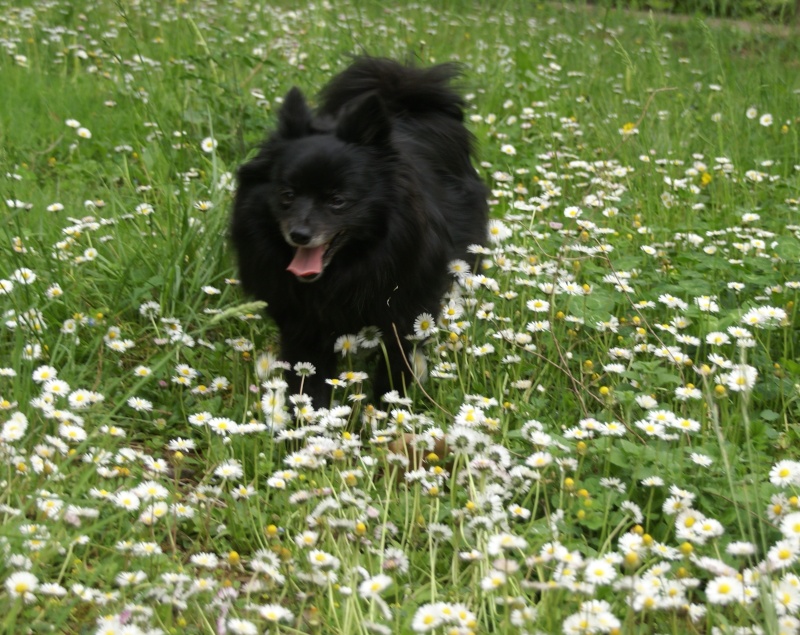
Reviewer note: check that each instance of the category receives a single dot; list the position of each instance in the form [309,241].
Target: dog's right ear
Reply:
[294,117]
[365,122]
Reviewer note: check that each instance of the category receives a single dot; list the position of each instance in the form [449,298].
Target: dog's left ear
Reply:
[294,118]
[365,123]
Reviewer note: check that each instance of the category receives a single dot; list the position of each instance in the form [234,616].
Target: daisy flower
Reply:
[22,584]
[322,560]
[742,378]
[44,373]
[139,404]
[24,275]
[304,369]
[785,473]
[498,231]
[717,338]
[151,490]
[494,580]
[126,500]
[424,325]
[459,268]
[274,613]
[538,305]
[740,548]
[701,459]
[72,433]
[505,542]
[725,590]
[149,309]
[508,149]
[81,398]
[519,512]
[230,469]
[427,618]
[204,559]
[14,429]
[369,337]
[184,370]
[783,553]
[181,445]
[346,345]
[221,425]
[374,586]
[239,626]
[707,304]
[599,571]
[786,595]
[219,383]
[209,144]
[790,526]
[200,418]
[56,387]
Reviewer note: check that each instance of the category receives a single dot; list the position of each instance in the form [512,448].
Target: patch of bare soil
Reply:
[745,26]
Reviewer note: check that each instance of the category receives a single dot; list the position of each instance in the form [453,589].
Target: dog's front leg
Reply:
[393,371]
[296,348]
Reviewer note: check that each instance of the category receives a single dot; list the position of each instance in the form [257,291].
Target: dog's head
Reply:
[321,180]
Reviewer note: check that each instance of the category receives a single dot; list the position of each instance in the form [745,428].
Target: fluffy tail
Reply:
[403,89]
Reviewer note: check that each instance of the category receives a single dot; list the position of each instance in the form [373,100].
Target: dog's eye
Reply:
[287,197]
[337,201]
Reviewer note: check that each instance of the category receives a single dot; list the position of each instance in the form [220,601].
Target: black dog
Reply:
[349,216]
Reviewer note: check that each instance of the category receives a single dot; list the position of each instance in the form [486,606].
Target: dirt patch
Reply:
[744,26]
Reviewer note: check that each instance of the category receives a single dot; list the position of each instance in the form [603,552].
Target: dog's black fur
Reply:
[379,179]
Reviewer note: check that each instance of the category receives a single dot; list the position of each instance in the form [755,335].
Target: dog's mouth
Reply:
[309,262]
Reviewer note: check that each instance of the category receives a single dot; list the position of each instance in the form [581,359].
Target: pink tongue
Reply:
[307,261]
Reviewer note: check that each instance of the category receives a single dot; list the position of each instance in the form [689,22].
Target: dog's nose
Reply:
[300,236]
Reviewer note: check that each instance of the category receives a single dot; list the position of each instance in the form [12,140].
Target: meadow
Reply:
[607,441]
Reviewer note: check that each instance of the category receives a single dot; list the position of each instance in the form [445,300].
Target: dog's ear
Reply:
[253,172]
[294,118]
[366,122]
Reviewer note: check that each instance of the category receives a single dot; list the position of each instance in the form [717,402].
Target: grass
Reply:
[608,439]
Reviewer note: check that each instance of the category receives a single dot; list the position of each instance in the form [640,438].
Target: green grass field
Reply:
[608,439]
